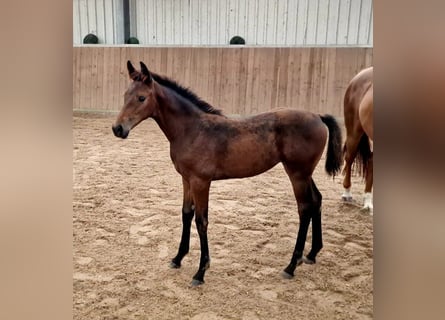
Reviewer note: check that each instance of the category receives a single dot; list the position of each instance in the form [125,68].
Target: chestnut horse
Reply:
[358,112]
[205,145]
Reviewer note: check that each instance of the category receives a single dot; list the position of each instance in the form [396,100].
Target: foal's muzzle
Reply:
[119,131]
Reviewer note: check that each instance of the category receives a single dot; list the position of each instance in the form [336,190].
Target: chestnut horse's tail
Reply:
[364,153]
[334,156]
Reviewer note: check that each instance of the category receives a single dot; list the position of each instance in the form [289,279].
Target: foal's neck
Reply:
[176,116]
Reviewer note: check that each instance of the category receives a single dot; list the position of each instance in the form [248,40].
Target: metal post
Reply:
[126,20]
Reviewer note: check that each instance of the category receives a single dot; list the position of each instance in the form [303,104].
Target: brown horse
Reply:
[206,145]
[358,111]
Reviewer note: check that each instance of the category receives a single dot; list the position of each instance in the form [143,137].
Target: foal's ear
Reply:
[146,75]
[134,75]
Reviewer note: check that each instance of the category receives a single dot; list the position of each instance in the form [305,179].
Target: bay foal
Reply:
[205,145]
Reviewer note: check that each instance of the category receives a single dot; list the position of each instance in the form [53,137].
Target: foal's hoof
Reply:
[346,198]
[300,261]
[286,275]
[174,265]
[196,283]
[308,260]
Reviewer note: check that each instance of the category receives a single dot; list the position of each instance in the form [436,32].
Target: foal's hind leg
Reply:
[187,217]
[317,239]
[309,202]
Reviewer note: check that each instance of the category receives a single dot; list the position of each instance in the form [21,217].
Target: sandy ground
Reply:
[127,200]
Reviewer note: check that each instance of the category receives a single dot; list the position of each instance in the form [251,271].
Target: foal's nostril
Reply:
[117,130]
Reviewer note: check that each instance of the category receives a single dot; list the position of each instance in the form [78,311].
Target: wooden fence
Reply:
[237,80]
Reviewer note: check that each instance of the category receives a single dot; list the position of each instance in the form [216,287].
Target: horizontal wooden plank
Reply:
[237,80]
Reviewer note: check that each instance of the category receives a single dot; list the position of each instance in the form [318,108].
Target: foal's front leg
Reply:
[200,193]
[187,217]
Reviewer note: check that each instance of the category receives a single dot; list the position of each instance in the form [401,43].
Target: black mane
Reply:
[186,93]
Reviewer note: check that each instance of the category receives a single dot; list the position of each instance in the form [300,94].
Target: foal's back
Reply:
[250,146]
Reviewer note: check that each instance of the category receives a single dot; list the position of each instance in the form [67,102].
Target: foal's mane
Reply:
[186,93]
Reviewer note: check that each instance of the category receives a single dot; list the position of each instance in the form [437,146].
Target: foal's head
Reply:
[139,101]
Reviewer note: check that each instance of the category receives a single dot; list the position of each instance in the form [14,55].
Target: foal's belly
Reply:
[246,159]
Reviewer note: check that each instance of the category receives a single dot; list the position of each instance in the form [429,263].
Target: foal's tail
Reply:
[334,156]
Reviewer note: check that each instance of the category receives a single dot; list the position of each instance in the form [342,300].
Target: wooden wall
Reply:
[237,80]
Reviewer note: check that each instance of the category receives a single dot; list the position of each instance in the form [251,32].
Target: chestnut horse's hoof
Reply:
[347,196]
[368,210]
[196,283]
[367,203]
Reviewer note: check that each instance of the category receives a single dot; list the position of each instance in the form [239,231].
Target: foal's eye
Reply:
[141,98]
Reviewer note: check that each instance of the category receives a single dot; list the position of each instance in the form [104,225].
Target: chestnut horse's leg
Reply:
[368,187]
[369,175]
[309,202]
[200,193]
[350,152]
[187,217]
